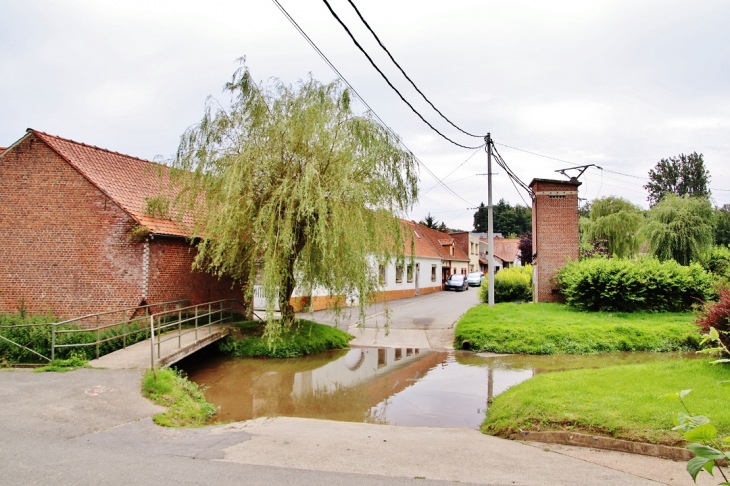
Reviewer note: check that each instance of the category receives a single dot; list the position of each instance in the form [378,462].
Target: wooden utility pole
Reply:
[490,221]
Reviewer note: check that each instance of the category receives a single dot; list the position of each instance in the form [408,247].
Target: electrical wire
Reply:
[447,175]
[354,91]
[352,37]
[406,76]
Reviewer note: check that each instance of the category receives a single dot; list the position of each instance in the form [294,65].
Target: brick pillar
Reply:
[555,238]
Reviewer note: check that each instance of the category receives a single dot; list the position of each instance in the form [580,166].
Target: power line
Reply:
[447,175]
[406,76]
[352,37]
[332,66]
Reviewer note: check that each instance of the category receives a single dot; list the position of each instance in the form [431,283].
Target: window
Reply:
[382,274]
[433,273]
[451,250]
[398,273]
[409,274]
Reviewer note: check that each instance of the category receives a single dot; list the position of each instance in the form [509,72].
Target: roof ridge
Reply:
[95,147]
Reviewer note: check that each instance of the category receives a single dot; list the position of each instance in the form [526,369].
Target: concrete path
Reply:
[92,427]
[138,356]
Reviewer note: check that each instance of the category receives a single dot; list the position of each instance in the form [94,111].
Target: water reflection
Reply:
[406,386]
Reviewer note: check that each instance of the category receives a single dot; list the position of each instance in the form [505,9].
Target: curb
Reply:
[598,442]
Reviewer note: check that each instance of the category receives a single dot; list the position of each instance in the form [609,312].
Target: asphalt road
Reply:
[91,427]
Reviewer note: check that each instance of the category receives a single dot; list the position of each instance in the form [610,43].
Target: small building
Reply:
[469,244]
[555,238]
[77,239]
[484,254]
[508,251]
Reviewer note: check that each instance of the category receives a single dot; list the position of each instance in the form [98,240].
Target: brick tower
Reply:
[555,237]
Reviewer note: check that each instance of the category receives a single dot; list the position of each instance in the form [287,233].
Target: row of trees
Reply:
[676,227]
[509,220]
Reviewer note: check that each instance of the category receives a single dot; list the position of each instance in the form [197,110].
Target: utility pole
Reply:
[490,221]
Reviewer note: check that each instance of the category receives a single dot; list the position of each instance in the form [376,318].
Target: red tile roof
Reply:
[506,248]
[440,242]
[126,180]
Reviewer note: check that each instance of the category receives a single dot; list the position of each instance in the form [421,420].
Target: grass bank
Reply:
[184,399]
[303,338]
[557,329]
[620,402]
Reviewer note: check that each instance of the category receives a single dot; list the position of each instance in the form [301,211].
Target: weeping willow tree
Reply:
[617,221]
[288,187]
[680,228]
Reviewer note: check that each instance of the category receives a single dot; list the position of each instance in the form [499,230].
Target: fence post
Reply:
[196,323]
[179,327]
[53,342]
[147,314]
[124,329]
[152,346]
[97,336]
[210,317]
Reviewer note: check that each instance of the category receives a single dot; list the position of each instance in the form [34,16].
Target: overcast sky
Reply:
[619,84]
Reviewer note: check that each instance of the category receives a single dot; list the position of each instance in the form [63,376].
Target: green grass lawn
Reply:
[184,399]
[303,338]
[555,328]
[620,401]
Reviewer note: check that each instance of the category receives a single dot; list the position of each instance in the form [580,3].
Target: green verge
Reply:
[558,329]
[620,402]
[63,365]
[304,338]
[184,399]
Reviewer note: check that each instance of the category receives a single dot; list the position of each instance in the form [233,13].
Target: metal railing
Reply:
[174,324]
[124,319]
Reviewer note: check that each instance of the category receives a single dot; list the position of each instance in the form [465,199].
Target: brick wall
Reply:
[554,232]
[171,276]
[65,248]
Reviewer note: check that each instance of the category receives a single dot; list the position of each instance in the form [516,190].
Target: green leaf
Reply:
[720,361]
[669,395]
[713,333]
[684,393]
[696,464]
[701,432]
[726,439]
[707,452]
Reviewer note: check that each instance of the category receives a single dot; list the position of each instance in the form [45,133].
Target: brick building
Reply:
[555,238]
[75,234]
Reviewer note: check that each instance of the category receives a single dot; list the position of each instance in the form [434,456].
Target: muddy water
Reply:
[408,386]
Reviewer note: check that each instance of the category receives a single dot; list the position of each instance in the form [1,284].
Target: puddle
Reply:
[407,386]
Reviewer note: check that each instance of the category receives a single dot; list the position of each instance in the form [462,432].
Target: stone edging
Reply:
[598,442]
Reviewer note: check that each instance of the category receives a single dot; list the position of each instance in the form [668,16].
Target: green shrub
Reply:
[716,260]
[645,284]
[304,338]
[38,338]
[510,285]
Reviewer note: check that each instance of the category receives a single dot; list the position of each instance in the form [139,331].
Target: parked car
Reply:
[475,279]
[457,282]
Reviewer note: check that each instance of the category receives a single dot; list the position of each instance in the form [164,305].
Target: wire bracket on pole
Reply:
[580,168]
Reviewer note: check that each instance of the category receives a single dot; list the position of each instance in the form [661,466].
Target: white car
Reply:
[475,279]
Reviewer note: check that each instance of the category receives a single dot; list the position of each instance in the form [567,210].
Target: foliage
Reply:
[557,329]
[510,285]
[584,211]
[714,317]
[184,399]
[304,338]
[646,284]
[287,183]
[716,260]
[617,221]
[618,402]
[679,228]
[63,365]
[508,219]
[431,222]
[38,338]
[722,225]
[526,247]
[597,249]
[707,447]
[138,233]
[682,175]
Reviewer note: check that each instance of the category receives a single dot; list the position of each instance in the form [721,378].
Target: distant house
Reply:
[469,244]
[484,256]
[508,250]
[77,239]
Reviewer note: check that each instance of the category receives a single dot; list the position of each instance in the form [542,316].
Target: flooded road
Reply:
[406,386]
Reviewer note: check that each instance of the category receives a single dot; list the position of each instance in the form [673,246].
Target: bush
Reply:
[716,260]
[38,338]
[717,315]
[646,284]
[510,285]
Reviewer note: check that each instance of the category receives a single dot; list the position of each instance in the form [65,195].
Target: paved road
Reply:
[91,427]
[426,321]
